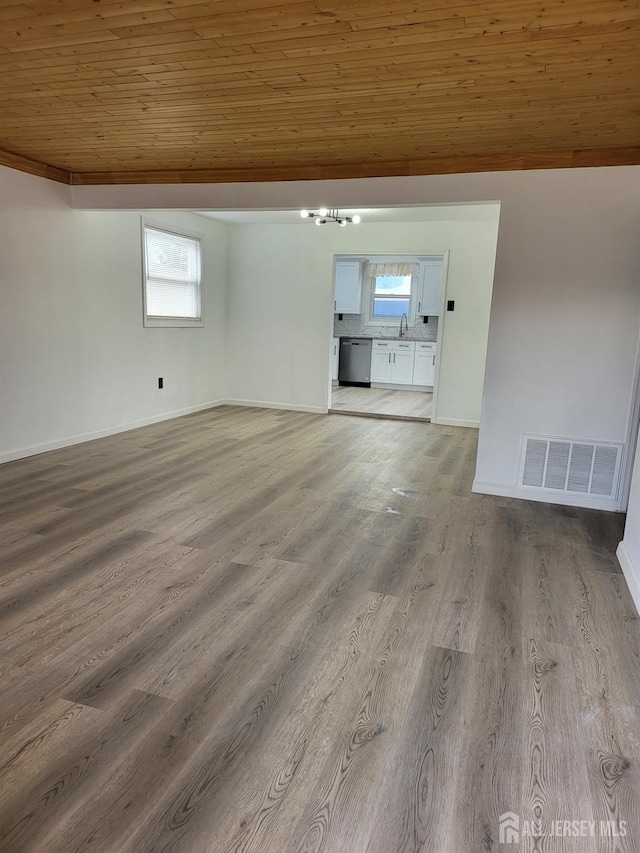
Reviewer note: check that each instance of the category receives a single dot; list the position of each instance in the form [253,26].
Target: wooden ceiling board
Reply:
[101,91]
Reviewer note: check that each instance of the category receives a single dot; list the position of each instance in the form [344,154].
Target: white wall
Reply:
[75,360]
[566,313]
[629,548]
[277,316]
[568,263]
[280,306]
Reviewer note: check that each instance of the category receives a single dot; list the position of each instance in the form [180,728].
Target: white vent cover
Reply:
[577,467]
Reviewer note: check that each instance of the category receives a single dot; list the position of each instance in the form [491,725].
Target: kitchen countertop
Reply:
[403,338]
[387,338]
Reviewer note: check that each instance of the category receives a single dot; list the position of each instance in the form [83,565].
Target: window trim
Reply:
[371,320]
[151,322]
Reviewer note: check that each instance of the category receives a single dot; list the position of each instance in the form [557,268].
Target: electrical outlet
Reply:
[160,382]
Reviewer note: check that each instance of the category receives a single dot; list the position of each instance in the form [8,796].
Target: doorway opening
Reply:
[385,334]
[414,284]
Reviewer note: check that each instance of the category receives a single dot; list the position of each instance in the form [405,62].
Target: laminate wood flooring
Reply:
[274,632]
[349,399]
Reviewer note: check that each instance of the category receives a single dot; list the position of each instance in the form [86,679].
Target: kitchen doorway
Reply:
[439,349]
[385,335]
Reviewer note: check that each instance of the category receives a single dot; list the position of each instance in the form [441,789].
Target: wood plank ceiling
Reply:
[101,91]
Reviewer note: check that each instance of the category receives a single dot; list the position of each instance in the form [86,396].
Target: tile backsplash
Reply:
[353,325]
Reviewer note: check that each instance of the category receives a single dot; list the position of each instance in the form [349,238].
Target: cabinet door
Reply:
[424,369]
[430,289]
[402,367]
[335,356]
[381,365]
[348,296]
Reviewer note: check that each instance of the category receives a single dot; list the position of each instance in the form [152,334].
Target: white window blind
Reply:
[172,275]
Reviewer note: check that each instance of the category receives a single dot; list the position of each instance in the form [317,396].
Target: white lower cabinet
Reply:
[380,365]
[402,367]
[392,362]
[424,369]
[403,362]
[424,366]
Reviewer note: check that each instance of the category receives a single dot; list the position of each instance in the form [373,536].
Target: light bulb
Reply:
[319,221]
[304,214]
[355,219]
[323,211]
[342,222]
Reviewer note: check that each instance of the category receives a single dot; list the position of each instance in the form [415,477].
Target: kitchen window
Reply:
[391,296]
[172,278]
[390,285]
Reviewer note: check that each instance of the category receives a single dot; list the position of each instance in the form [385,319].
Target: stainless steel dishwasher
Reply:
[354,367]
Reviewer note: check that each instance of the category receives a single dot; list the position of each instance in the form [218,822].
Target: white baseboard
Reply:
[631,573]
[57,444]
[261,404]
[547,496]
[458,423]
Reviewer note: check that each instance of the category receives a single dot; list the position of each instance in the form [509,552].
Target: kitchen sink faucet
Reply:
[406,324]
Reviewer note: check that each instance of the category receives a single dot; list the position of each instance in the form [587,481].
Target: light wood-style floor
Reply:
[268,632]
[379,401]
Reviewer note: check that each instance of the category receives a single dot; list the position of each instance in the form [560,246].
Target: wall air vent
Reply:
[575,467]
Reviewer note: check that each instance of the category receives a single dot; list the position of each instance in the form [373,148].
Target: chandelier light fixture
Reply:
[324,215]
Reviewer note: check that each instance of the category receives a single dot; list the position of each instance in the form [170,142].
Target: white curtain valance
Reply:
[373,269]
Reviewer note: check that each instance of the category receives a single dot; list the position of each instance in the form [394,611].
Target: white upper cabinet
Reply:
[348,293]
[430,285]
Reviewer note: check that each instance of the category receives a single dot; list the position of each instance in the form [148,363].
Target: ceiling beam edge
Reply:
[564,159]
[627,156]
[34,167]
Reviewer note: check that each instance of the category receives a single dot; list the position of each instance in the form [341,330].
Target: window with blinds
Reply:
[172,278]
[391,296]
